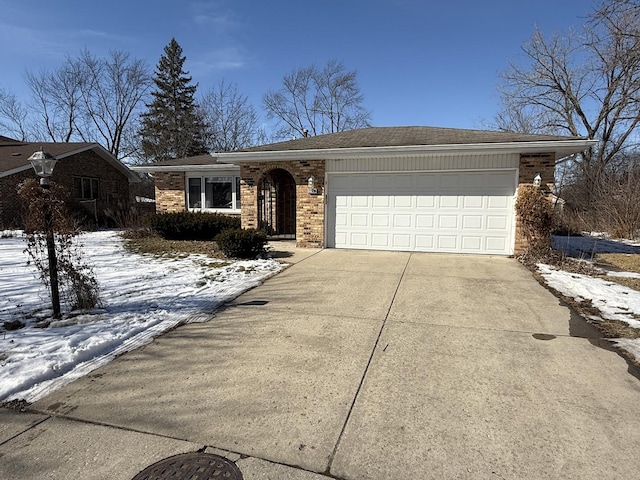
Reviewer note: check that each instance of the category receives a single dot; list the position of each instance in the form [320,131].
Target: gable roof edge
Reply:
[561,148]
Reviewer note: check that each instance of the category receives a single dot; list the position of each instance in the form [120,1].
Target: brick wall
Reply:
[113,186]
[10,208]
[170,192]
[309,207]
[530,166]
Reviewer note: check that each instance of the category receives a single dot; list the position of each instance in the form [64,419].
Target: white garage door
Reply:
[460,212]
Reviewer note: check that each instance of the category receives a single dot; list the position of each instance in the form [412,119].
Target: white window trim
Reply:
[235,195]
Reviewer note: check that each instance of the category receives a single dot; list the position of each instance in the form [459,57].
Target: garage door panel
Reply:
[495,222]
[497,202]
[423,201]
[401,241]
[402,220]
[425,221]
[359,220]
[424,242]
[448,243]
[495,244]
[342,220]
[381,240]
[472,222]
[360,201]
[470,243]
[442,211]
[448,222]
[380,201]
[359,240]
[449,201]
[380,220]
[402,201]
[473,201]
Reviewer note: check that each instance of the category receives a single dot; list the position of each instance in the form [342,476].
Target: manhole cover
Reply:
[191,466]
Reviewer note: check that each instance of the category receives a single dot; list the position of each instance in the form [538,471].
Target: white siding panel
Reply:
[430,162]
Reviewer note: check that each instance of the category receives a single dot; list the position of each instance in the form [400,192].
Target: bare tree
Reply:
[87,99]
[581,84]
[317,101]
[56,99]
[14,117]
[231,122]
[112,90]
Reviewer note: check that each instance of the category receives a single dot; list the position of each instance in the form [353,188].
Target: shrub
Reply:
[191,225]
[241,243]
[537,217]
[78,285]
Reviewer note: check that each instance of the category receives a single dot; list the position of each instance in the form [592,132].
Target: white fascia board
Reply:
[183,168]
[562,148]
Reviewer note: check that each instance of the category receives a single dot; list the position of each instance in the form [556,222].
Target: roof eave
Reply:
[561,148]
[181,168]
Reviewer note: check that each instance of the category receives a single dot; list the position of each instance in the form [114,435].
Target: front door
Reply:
[277,204]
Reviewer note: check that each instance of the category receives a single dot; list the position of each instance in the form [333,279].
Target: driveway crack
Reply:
[366,369]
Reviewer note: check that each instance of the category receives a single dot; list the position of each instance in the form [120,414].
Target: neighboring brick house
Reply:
[383,188]
[95,178]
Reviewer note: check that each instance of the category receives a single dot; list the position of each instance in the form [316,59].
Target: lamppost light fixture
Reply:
[43,163]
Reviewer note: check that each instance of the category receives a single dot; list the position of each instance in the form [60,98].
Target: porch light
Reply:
[537,180]
[43,163]
[311,183]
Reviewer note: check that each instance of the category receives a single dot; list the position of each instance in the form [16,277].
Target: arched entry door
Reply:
[277,204]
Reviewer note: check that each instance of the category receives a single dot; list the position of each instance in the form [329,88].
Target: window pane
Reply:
[77,187]
[218,192]
[86,188]
[194,193]
[237,205]
[94,188]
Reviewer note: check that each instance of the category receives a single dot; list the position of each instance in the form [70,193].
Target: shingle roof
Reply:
[205,159]
[402,136]
[14,155]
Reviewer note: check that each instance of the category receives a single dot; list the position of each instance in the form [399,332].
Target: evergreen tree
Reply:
[172,127]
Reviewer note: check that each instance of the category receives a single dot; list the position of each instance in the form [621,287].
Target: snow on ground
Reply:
[613,301]
[142,297]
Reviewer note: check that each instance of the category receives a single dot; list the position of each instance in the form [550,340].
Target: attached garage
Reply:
[456,212]
[423,189]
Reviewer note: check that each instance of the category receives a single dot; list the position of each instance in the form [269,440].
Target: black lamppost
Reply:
[43,164]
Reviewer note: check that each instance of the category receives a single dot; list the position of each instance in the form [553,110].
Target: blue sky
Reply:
[419,62]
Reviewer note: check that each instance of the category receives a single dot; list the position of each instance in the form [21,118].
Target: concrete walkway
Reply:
[355,365]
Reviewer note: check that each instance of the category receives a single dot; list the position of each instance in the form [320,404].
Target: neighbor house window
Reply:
[85,188]
[213,193]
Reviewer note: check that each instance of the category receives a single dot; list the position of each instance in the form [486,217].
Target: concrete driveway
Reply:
[355,365]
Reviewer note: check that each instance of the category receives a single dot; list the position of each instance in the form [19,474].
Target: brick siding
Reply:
[309,207]
[170,192]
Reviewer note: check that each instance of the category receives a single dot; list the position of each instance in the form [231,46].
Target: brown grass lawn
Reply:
[159,247]
[626,262]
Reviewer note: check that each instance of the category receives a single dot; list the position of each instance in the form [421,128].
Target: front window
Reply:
[213,193]
[195,193]
[85,188]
